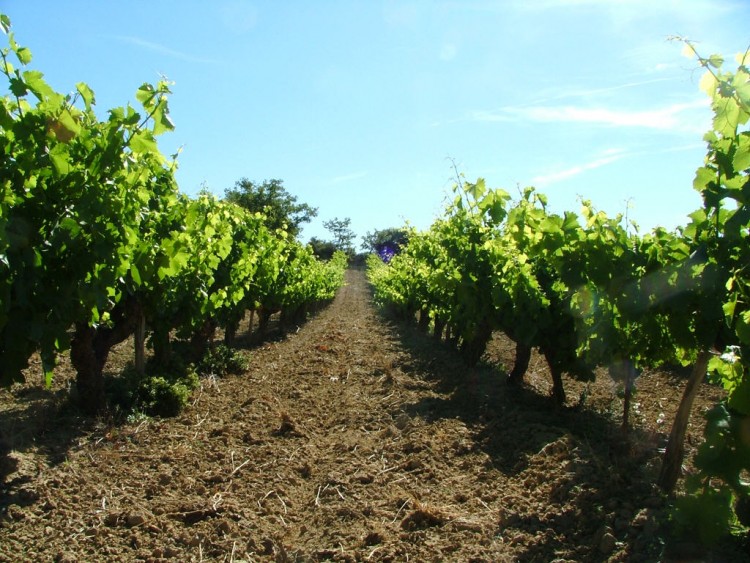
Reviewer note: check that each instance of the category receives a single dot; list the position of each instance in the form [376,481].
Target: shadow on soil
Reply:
[48,422]
[42,420]
[512,425]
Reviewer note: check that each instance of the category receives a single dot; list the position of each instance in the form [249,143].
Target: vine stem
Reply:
[675,451]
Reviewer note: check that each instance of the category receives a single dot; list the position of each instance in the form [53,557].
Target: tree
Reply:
[323,249]
[342,234]
[386,242]
[271,198]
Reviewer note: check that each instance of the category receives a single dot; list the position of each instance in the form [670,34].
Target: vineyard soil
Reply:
[353,439]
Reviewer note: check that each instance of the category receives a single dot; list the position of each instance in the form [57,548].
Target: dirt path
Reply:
[349,440]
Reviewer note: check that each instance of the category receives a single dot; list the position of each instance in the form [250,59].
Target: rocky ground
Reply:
[353,439]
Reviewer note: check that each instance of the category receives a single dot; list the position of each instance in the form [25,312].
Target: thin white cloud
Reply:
[348,177]
[164,50]
[491,116]
[591,92]
[676,117]
[609,156]
[665,118]
[680,148]
[606,157]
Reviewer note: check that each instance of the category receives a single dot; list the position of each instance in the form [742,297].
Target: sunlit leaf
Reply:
[60,159]
[741,160]
[742,328]
[161,119]
[477,190]
[35,82]
[715,61]
[143,142]
[48,367]
[688,51]
[65,121]
[741,85]
[145,94]
[87,94]
[24,55]
[703,177]
[727,116]
[708,83]
[135,274]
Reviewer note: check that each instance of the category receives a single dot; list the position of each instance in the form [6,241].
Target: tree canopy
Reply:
[386,242]
[323,249]
[342,234]
[271,198]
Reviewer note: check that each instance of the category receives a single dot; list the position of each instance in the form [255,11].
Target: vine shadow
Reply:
[511,425]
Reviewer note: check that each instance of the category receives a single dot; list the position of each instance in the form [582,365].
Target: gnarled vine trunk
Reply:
[675,451]
[473,348]
[202,339]
[438,328]
[90,348]
[424,320]
[521,365]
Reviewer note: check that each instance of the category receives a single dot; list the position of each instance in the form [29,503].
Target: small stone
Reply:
[111,519]
[465,525]
[135,519]
[373,538]
[15,512]
[608,543]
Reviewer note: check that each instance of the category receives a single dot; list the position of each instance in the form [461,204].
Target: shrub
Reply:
[222,360]
[160,396]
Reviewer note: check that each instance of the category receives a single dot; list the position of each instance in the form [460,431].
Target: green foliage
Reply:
[721,232]
[164,395]
[342,234]
[77,199]
[583,291]
[94,234]
[393,237]
[163,391]
[709,507]
[706,515]
[222,360]
[323,249]
[588,290]
[279,207]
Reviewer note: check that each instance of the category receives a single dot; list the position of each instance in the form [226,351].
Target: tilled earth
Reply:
[353,439]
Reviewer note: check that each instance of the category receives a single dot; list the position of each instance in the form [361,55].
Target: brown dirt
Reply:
[354,439]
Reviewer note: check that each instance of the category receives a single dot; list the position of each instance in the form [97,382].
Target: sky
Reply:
[362,108]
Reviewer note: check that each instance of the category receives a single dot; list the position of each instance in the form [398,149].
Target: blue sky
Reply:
[358,106]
